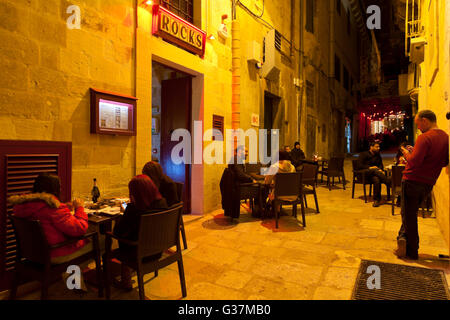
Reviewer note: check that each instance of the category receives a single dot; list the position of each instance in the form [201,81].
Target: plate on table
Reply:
[111,211]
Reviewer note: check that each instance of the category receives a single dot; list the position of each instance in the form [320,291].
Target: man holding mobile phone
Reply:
[424,165]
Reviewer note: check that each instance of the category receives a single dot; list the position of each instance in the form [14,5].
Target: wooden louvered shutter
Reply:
[218,124]
[21,163]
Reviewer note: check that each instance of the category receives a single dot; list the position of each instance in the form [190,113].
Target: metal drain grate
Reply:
[399,282]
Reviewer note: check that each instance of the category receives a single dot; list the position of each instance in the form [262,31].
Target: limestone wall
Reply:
[47,71]
[434,93]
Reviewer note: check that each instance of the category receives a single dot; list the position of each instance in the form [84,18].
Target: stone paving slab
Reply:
[253,260]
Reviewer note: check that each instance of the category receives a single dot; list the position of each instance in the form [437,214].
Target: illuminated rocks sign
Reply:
[176,30]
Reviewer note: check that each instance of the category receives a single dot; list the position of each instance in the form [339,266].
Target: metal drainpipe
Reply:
[300,73]
[236,71]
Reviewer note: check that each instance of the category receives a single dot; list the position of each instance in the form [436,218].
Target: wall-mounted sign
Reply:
[174,29]
[255,120]
[112,113]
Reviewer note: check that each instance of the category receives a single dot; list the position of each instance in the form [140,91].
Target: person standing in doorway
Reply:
[424,165]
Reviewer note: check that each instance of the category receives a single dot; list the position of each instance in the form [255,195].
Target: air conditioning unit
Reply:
[413,77]
[417,50]
[272,55]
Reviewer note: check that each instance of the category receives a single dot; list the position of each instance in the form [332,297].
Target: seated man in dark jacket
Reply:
[297,155]
[241,176]
[371,161]
[238,166]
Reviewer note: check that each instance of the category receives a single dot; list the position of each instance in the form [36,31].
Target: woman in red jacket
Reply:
[56,220]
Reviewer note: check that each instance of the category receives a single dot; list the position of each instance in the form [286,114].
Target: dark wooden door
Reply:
[270,108]
[176,97]
[311,129]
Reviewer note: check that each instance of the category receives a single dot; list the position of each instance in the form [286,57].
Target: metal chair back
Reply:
[397,174]
[32,244]
[309,175]
[336,164]
[287,184]
[159,231]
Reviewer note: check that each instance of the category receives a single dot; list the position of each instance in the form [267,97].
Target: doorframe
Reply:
[197,114]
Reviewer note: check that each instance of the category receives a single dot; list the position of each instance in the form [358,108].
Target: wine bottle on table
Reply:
[95,192]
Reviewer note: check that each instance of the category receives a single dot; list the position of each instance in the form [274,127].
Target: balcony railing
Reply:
[413,24]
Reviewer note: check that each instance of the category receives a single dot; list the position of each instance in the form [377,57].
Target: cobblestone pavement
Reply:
[253,260]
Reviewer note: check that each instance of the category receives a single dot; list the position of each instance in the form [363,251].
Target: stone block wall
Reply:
[47,70]
[434,94]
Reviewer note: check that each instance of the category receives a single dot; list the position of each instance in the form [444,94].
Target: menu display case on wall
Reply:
[112,113]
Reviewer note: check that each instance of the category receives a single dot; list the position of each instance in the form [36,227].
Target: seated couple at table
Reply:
[372,162]
[283,165]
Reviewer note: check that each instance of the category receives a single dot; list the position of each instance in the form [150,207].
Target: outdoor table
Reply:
[388,169]
[101,222]
[319,162]
[263,191]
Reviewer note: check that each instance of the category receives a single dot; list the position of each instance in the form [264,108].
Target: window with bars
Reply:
[309,94]
[20,163]
[182,8]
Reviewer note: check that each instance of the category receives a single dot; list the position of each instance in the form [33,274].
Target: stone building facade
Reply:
[48,69]
[432,88]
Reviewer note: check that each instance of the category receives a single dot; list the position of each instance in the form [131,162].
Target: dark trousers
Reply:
[377,178]
[413,193]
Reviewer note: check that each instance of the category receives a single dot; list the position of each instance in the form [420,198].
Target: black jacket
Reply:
[297,155]
[367,160]
[240,176]
[230,194]
[127,226]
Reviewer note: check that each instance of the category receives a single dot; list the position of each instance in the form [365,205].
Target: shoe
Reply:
[401,248]
[376,204]
[121,285]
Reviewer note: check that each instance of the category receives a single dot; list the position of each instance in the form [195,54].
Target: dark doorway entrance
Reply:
[311,129]
[176,97]
[270,107]
[339,136]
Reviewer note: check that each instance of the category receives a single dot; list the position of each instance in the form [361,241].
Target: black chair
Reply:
[233,193]
[359,177]
[309,179]
[158,232]
[33,256]
[287,191]
[396,183]
[180,196]
[335,169]
[254,170]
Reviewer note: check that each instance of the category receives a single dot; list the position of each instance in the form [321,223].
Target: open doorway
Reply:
[311,129]
[171,110]
[271,103]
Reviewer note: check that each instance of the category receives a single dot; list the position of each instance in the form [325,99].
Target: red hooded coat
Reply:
[56,220]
